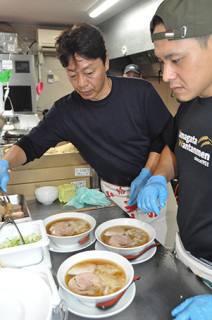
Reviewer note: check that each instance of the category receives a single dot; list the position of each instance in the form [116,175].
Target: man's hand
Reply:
[4,175]
[137,184]
[153,195]
[195,308]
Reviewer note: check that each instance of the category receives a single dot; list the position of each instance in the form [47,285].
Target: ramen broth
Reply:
[79,225]
[111,275]
[138,236]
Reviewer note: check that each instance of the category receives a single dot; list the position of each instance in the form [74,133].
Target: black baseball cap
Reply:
[132,67]
[184,19]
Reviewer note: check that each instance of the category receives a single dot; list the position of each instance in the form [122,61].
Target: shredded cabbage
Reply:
[16,241]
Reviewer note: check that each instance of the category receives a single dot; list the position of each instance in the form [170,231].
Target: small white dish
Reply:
[144,257]
[76,307]
[46,195]
[78,247]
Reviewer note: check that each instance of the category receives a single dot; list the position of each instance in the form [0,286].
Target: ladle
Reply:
[10,220]
[110,303]
[142,252]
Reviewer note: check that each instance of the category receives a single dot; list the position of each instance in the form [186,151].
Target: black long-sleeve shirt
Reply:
[114,135]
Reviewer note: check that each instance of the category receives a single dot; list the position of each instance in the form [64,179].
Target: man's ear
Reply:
[107,62]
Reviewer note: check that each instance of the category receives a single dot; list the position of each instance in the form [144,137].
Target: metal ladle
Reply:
[10,220]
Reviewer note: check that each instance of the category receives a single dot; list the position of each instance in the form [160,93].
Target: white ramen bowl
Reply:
[89,255]
[69,241]
[46,195]
[125,222]
[24,295]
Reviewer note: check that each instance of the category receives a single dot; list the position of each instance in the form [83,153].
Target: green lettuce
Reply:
[16,241]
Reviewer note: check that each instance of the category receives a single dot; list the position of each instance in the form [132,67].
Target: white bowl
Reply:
[74,240]
[24,295]
[46,195]
[89,255]
[125,222]
[27,254]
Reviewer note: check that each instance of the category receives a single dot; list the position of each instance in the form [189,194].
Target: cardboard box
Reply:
[49,174]
[49,170]
[27,189]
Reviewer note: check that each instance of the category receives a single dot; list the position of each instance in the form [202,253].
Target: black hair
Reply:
[155,21]
[83,39]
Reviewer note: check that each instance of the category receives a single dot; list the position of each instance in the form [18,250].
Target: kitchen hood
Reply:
[128,40]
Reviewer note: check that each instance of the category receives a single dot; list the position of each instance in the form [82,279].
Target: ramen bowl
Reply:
[24,295]
[134,223]
[96,256]
[46,195]
[75,239]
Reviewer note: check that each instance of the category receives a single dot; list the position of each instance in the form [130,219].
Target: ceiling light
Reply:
[102,8]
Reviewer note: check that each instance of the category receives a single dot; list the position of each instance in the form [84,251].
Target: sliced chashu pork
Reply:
[61,229]
[120,241]
[86,283]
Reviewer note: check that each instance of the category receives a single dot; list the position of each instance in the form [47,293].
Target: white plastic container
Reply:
[27,254]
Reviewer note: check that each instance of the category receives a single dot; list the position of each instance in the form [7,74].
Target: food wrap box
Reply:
[26,254]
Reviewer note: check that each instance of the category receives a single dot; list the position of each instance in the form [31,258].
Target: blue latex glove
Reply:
[4,175]
[137,184]
[195,308]
[153,193]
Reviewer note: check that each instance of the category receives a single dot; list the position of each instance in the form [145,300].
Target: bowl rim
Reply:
[98,234]
[45,187]
[97,252]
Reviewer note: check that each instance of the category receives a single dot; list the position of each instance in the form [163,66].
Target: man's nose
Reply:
[168,73]
[82,81]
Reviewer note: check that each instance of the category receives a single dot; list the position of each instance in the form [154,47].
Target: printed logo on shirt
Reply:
[194,145]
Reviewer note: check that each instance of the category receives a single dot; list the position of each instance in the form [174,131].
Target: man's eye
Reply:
[176,60]
[90,73]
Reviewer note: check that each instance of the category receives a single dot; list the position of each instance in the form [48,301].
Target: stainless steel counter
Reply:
[164,281]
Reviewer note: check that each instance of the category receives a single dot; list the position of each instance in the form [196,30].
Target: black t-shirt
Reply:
[192,137]
[114,135]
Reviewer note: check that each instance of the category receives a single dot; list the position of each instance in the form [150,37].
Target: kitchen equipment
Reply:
[110,303]
[22,84]
[14,135]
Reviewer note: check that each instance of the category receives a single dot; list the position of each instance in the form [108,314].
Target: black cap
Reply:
[132,67]
[184,19]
